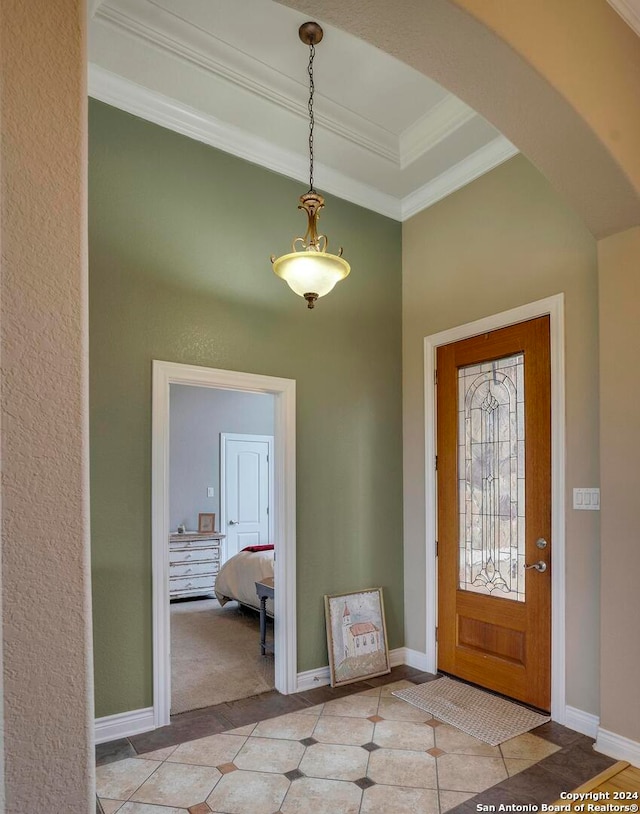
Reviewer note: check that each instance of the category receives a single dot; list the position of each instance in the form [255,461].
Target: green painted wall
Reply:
[179,237]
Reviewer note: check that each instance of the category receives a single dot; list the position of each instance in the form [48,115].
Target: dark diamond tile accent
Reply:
[294,774]
[435,752]
[201,808]
[370,747]
[308,741]
[114,750]
[375,719]
[364,783]
[226,768]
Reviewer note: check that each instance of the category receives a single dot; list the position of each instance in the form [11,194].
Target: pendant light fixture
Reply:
[309,269]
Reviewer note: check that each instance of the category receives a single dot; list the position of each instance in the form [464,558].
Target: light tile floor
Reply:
[367,753]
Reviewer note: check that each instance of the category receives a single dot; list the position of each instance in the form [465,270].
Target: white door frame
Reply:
[554,307]
[245,436]
[284,390]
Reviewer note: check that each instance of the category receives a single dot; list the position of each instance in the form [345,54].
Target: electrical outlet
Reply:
[209,491]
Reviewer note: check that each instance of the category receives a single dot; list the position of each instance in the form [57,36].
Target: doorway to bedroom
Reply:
[220,544]
[223,495]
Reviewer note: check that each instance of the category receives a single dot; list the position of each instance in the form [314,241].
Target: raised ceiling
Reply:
[232,73]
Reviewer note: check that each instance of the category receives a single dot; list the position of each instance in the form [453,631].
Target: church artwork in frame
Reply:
[356,636]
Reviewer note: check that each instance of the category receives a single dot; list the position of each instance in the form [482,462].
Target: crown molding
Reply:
[92,7]
[629,10]
[211,54]
[478,163]
[429,130]
[154,107]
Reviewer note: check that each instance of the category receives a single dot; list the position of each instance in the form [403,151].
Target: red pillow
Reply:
[259,548]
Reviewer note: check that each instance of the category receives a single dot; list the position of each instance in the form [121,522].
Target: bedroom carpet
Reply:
[215,655]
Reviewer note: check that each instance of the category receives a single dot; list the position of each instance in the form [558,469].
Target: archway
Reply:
[558,79]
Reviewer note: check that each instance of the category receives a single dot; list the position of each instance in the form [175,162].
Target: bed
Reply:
[238,576]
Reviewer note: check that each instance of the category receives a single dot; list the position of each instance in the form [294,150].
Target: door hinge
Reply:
[436,463]
[436,548]
[436,634]
[435,376]
[267,510]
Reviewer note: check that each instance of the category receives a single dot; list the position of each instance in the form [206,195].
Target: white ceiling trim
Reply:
[629,10]
[93,6]
[212,54]
[155,107]
[486,158]
[187,42]
[432,128]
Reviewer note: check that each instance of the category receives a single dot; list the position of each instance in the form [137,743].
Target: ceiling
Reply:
[233,74]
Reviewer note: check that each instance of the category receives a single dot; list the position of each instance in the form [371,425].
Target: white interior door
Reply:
[246,464]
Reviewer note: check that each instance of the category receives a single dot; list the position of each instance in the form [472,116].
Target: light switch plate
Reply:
[209,491]
[586,499]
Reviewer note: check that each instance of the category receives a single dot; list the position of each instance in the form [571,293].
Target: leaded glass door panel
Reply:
[494,490]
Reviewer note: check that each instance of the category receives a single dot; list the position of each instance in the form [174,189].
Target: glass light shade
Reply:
[310,271]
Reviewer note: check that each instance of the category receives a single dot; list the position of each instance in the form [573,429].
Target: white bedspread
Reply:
[238,576]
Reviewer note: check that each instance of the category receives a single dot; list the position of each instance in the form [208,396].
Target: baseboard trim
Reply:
[124,724]
[617,746]
[416,659]
[320,677]
[313,678]
[580,721]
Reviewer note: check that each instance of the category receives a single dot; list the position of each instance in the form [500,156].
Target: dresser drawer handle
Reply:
[188,571]
[188,557]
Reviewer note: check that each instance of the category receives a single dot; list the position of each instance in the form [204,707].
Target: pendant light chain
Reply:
[312,53]
[309,269]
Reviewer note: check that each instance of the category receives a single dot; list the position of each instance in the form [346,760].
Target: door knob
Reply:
[233,522]
[541,542]
[538,566]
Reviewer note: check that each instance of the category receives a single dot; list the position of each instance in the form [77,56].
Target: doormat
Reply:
[478,713]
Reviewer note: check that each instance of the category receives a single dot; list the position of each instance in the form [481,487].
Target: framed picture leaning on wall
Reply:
[356,636]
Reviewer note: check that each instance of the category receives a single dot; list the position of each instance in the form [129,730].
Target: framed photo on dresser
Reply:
[206,523]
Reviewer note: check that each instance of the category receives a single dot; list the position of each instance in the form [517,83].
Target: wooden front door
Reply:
[494,510]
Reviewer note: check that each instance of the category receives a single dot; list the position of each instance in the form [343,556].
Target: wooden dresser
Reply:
[194,561]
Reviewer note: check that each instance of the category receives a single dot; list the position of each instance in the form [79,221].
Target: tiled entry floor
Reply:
[365,753]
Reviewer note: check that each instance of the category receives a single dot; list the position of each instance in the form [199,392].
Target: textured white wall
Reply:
[46,616]
[619,262]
